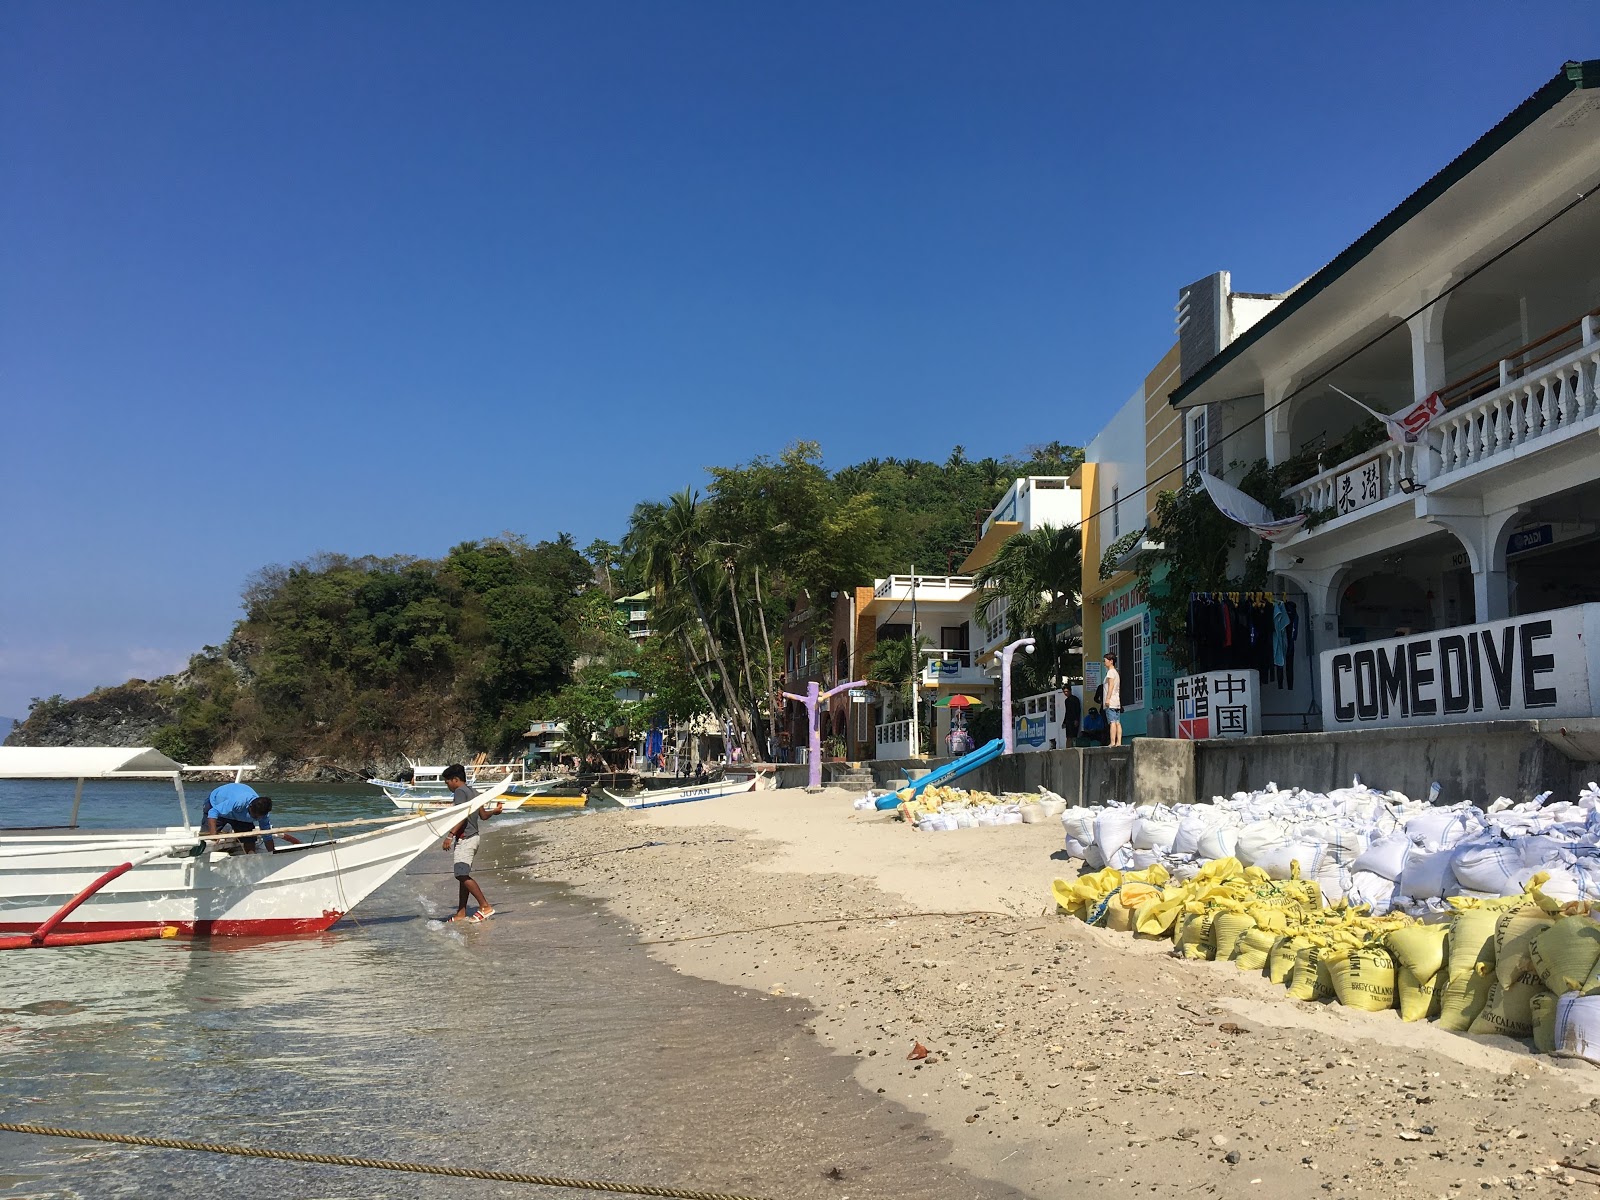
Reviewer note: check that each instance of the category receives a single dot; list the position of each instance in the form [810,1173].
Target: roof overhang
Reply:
[989,544]
[1540,156]
[86,762]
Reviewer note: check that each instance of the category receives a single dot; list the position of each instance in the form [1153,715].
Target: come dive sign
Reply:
[1541,665]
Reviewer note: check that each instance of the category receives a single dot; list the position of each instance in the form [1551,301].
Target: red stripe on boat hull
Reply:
[265,927]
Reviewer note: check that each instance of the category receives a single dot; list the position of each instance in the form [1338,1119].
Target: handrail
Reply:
[1506,368]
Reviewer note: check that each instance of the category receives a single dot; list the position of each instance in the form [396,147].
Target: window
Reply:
[1197,439]
[1126,641]
[1116,517]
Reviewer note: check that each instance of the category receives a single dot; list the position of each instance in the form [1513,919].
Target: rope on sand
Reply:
[379,1164]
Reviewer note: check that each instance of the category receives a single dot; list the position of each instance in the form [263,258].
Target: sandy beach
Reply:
[1063,1059]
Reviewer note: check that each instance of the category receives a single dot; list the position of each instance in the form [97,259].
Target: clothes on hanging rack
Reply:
[1253,631]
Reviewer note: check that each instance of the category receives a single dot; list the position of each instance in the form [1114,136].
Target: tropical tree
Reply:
[1032,586]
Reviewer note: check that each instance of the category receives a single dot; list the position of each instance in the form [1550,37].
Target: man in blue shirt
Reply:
[236,807]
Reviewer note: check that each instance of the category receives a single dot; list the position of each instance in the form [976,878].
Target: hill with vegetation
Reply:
[344,664]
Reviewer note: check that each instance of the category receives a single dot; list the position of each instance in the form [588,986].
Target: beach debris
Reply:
[918,1051]
[1230,1027]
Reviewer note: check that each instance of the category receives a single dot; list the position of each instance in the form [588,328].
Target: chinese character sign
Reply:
[1218,704]
[1359,487]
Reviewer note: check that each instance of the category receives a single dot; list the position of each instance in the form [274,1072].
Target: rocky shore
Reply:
[1058,1058]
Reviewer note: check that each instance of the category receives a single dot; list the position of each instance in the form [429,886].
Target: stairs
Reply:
[851,779]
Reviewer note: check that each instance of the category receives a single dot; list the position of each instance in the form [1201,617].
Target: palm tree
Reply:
[895,663]
[1037,575]
[668,544]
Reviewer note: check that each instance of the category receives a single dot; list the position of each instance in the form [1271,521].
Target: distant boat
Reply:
[525,795]
[683,795]
[426,790]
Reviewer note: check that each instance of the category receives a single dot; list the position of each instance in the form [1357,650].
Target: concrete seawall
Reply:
[1477,762]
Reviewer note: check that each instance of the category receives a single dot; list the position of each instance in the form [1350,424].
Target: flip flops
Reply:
[482,915]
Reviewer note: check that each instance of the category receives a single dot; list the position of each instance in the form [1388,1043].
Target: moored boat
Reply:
[175,878]
[683,795]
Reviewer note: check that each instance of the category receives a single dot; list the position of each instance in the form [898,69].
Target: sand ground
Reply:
[1065,1060]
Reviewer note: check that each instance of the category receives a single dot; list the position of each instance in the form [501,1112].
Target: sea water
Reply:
[543,1041]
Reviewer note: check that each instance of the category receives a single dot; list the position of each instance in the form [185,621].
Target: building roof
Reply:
[1221,379]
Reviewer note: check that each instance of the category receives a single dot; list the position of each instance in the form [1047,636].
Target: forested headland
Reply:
[352,662]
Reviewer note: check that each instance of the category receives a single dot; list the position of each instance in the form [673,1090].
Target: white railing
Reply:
[951,667]
[1037,722]
[929,587]
[894,740]
[1546,402]
[963,657]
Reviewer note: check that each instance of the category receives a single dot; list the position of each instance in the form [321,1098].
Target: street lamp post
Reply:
[813,702]
[1007,729]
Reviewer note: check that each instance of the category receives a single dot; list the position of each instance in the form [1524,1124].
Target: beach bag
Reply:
[1362,978]
[1565,954]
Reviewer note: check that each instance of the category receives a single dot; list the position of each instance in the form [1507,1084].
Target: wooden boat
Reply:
[683,795]
[83,885]
[513,800]
[420,796]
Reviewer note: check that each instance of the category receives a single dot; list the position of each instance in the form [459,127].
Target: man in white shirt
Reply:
[1113,699]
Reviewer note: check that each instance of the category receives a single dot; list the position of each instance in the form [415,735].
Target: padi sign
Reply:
[1541,665]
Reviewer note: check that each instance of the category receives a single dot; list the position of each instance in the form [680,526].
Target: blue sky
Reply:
[382,277]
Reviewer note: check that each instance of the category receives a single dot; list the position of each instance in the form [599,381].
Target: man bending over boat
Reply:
[465,839]
[237,808]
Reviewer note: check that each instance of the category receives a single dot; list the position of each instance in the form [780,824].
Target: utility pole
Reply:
[916,668]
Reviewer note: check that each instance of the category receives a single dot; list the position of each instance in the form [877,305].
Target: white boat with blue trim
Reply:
[683,795]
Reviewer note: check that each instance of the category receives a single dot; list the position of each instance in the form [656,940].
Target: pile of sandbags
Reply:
[1361,845]
[943,809]
[1523,966]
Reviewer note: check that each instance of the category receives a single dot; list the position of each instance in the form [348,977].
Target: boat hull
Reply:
[686,795]
[295,890]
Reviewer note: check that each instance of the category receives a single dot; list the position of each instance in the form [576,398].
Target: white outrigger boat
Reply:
[682,795]
[71,886]
[426,790]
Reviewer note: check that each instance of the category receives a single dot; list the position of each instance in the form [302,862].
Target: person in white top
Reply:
[1113,699]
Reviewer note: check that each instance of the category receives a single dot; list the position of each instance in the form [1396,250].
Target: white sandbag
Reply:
[1280,860]
[1077,849]
[1192,827]
[1113,829]
[1122,860]
[1220,842]
[1079,823]
[1368,887]
[1256,837]
[1145,858]
[1578,1026]
[1443,828]
[1386,857]
[1149,833]
[1427,876]
[1492,868]
[1092,858]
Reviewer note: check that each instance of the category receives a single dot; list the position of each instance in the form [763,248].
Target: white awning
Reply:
[86,762]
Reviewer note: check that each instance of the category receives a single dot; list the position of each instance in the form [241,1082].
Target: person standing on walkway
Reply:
[1113,694]
[464,838]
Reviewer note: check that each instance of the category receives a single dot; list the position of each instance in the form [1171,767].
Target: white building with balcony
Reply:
[1030,504]
[938,611]
[1483,288]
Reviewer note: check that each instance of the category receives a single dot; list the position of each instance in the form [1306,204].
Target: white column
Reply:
[1427,349]
[1279,444]
[1484,536]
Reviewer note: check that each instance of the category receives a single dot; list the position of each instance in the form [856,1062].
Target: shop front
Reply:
[1125,630]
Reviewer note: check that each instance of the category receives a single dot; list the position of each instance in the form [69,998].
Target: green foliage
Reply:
[1037,574]
[1115,551]
[589,708]
[1369,434]
[895,664]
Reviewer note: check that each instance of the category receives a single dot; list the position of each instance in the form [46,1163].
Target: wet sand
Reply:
[1063,1060]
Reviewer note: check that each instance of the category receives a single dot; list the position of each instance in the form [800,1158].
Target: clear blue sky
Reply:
[382,277]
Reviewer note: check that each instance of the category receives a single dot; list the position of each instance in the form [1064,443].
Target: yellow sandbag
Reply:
[1254,946]
[1081,895]
[1156,916]
[1309,978]
[1417,999]
[1155,874]
[1471,940]
[1129,897]
[1227,930]
[1195,940]
[1544,1022]
[1280,959]
[1268,916]
[1565,954]
[1509,1011]
[1464,996]
[1362,978]
[1514,935]
[1419,948]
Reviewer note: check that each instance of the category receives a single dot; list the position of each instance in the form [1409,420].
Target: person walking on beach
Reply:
[464,837]
[236,808]
[1113,693]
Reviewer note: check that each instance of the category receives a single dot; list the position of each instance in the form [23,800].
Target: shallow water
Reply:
[541,1041]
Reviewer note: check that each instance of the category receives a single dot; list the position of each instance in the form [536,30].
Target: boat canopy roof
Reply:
[86,762]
